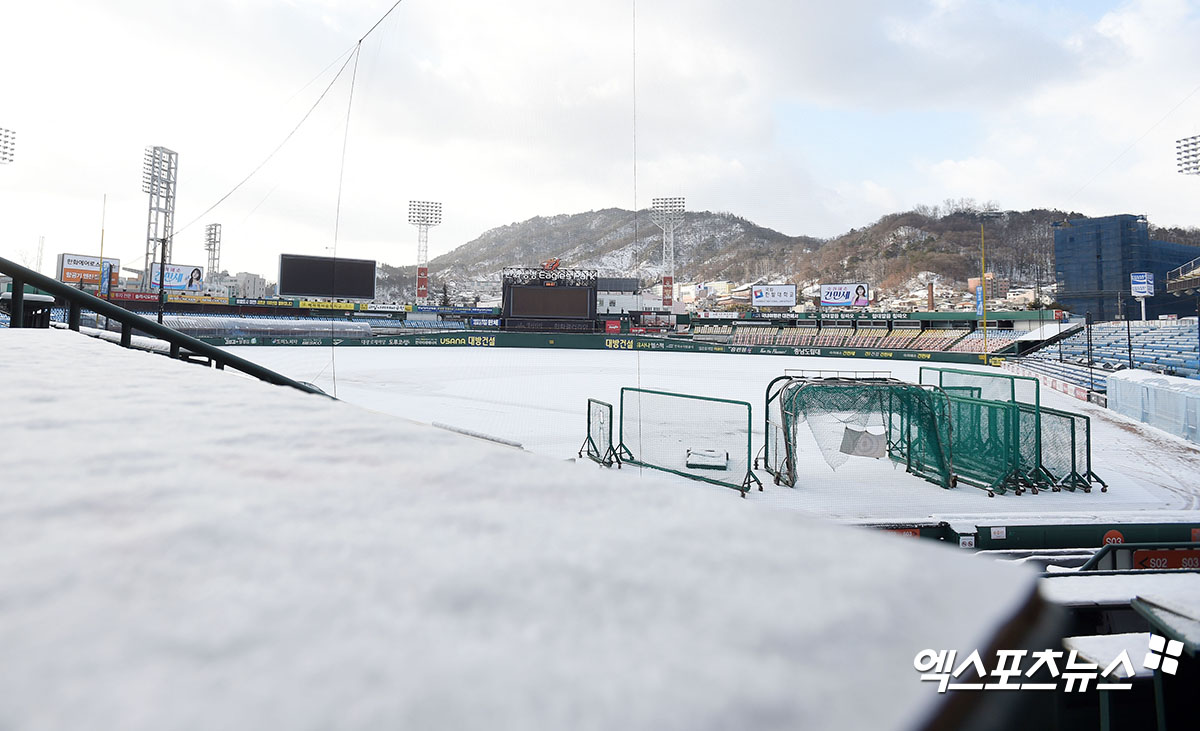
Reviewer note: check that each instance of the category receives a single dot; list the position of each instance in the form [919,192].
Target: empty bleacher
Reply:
[997,340]
[1165,347]
[936,339]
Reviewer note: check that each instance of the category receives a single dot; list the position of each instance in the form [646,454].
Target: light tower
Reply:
[667,213]
[1187,151]
[8,145]
[423,215]
[212,244]
[160,167]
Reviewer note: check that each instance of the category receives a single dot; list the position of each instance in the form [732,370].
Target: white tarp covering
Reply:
[1165,402]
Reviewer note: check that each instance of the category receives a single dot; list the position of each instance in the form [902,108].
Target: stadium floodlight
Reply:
[423,215]
[8,145]
[212,244]
[160,168]
[1187,151]
[667,213]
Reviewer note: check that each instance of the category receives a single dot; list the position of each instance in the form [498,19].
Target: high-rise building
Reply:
[1094,258]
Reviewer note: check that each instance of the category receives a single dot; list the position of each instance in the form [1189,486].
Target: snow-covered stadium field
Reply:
[538,398]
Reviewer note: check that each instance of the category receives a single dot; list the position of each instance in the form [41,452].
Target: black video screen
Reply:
[324,276]
[572,302]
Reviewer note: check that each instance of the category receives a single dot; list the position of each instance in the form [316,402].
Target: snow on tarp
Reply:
[184,548]
[1085,590]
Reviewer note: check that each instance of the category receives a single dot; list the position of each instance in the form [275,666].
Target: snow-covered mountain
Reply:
[620,244]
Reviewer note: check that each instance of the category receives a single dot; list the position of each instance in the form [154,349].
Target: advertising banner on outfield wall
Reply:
[773,295]
[179,276]
[75,268]
[196,299]
[324,305]
[853,294]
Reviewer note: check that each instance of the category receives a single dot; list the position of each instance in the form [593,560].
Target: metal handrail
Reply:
[1179,271]
[78,300]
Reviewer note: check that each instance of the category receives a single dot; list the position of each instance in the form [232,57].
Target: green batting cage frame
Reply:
[985,439]
[915,420]
[598,444]
[1054,447]
[1007,388]
[697,437]
[1067,449]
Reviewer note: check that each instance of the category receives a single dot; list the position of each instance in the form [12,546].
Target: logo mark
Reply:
[1165,652]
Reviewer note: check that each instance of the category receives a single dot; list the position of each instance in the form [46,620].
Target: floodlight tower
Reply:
[1187,151]
[423,215]
[8,145]
[160,168]
[212,244]
[667,213]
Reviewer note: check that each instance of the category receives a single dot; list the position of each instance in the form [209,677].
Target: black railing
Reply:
[77,301]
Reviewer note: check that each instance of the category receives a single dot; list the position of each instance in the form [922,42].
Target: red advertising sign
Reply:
[1167,558]
[668,290]
[422,282]
[612,326]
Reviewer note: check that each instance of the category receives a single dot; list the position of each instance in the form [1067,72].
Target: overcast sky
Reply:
[809,118]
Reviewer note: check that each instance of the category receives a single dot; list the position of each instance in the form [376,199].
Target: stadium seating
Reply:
[1165,347]
[1067,372]
[715,333]
[997,340]
[936,339]
[901,338]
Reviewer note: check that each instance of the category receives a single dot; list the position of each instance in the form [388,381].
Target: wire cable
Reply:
[337,216]
[1132,145]
[303,119]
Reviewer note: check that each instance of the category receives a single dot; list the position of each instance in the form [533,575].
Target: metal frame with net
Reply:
[1066,446]
[985,440]
[1053,447]
[872,416]
[598,444]
[699,437]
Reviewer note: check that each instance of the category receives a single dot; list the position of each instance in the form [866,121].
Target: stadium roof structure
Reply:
[187,548]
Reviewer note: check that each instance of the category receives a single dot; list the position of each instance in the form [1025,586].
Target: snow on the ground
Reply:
[538,398]
[185,548]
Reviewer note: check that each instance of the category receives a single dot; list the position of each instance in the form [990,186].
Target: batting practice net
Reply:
[872,417]
[598,445]
[699,437]
[1051,449]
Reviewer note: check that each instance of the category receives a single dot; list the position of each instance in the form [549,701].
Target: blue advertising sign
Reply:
[105,278]
[979,301]
[1141,284]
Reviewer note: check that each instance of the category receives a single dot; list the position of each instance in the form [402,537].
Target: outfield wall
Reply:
[576,341]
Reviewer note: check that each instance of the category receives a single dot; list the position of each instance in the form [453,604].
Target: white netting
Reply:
[658,428]
[600,431]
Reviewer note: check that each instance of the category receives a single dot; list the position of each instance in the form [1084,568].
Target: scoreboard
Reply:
[549,299]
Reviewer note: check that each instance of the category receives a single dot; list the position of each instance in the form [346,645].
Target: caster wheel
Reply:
[991,494]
